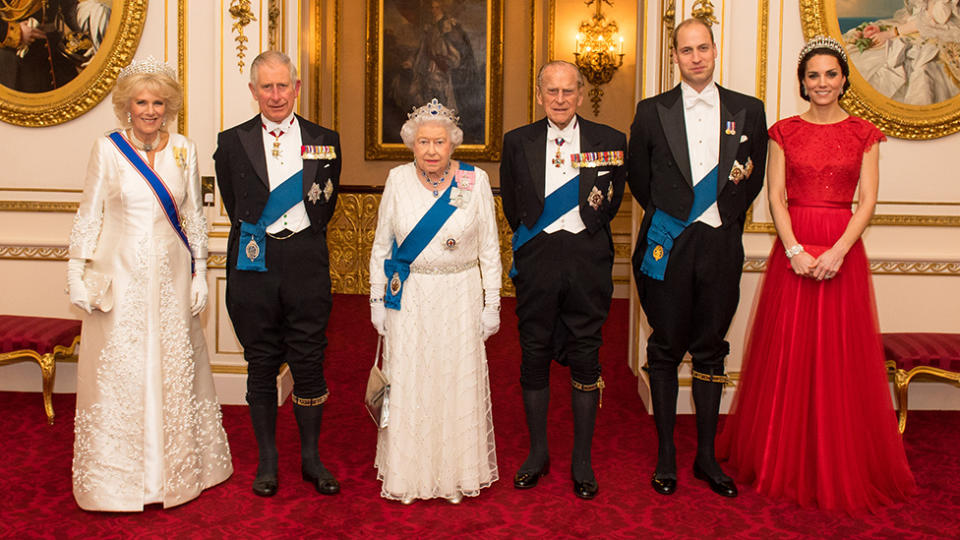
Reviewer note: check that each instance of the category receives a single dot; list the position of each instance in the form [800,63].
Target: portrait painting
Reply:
[904,60]
[419,50]
[54,51]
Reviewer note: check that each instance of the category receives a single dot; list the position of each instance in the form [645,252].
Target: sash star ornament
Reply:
[595,199]
[740,172]
[328,190]
[314,194]
[610,192]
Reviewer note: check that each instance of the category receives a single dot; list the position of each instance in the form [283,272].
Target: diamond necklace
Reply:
[145,146]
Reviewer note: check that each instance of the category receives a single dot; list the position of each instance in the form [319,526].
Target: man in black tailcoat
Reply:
[562,180]
[689,253]
[278,271]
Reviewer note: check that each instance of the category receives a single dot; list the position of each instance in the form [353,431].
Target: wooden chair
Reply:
[42,339]
[914,353]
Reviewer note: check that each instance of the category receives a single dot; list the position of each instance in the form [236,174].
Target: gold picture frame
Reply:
[393,69]
[91,84]
[894,118]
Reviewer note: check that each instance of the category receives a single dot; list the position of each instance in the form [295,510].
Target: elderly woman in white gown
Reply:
[435,281]
[914,56]
[148,426]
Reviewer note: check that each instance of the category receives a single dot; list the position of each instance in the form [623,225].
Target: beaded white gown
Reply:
[440,437]
[148,424]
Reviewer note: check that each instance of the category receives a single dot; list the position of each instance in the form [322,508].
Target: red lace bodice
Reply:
[823,160]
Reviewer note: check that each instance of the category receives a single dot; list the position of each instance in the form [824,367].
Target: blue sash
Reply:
[156,184]
[664,228]
[253,236]
[397,268]
[555,206]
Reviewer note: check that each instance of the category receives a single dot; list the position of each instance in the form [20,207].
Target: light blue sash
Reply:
[252,251]
[156,184]
[664,228]
[397,268]
[555,206]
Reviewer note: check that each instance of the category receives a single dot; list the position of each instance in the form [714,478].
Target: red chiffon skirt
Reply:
[813,420]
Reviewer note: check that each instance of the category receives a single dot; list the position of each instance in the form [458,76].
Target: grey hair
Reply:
[272,57]
[408,132]
[580,82]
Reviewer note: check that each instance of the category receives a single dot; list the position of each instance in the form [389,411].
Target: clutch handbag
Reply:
[377,398]
[99,290]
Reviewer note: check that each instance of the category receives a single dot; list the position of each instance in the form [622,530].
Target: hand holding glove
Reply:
[75,286]
[378,315]
[198,287]
[490,316]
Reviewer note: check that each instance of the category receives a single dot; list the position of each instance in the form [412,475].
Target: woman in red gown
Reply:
[813,419]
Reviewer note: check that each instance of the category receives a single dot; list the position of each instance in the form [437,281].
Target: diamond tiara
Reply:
[823,42]
[147,65]
[433,111]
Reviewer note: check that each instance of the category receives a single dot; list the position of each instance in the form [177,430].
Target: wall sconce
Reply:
[599,51]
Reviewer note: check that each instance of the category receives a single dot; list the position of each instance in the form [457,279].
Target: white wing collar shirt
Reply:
[281,143]
[560,144]
[701,117]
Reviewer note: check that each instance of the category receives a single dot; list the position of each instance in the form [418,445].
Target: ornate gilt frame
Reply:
[375,148]
[819,17]
[91,85]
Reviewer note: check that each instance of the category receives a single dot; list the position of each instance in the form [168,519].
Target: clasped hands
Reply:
[819,268]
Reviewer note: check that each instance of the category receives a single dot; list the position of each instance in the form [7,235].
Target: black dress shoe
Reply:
[585,490]
[723,486]
[321,479]
[527,480]
[663,485]
[265,485]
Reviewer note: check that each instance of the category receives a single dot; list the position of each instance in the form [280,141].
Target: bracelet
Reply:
[376,300]
[794,251]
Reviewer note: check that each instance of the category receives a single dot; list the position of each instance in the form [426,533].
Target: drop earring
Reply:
[129,118]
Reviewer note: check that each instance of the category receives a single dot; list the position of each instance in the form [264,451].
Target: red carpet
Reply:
[36,501]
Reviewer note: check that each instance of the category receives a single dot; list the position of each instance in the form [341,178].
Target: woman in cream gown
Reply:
[439,442]
[148,425]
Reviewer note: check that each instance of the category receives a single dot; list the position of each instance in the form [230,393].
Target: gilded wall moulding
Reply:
[41,253]
[885,55]
[110,35]
[242,16]
[39,206]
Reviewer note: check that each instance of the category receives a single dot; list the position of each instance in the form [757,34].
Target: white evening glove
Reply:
[490,316]
[75,286]
[198,287]
[378,314]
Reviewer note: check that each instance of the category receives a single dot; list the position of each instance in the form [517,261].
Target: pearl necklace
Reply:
[435,184]
[145,146]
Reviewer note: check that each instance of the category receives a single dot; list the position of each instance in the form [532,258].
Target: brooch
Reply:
[583,160]
[310,151]
[450,244]
[595,198]
[180,155]
[314,194]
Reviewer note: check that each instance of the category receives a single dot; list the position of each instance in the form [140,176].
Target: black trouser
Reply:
[281,315]
[564,286]
[691,309]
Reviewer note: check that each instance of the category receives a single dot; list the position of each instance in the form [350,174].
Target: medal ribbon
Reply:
[159,188]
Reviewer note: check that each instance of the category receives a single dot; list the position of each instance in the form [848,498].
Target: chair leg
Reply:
[901,381]
[48,369]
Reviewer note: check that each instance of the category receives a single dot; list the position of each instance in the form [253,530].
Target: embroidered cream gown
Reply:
[148,424]
[440,437]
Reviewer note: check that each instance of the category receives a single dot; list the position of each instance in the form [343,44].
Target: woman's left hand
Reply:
[198,293]
[827,264]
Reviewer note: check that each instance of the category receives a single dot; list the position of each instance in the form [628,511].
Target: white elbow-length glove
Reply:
[198,287]
[490,316]
[378,313]
[75,286]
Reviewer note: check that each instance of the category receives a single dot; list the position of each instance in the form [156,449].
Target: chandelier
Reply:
[599,51]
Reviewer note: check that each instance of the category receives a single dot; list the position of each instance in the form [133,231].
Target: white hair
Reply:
[273,58]
[410,128]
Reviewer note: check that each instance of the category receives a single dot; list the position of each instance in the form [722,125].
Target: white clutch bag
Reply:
[99,289]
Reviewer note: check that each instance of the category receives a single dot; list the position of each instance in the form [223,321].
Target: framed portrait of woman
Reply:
[418,50]
[59,58]
[904,61]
